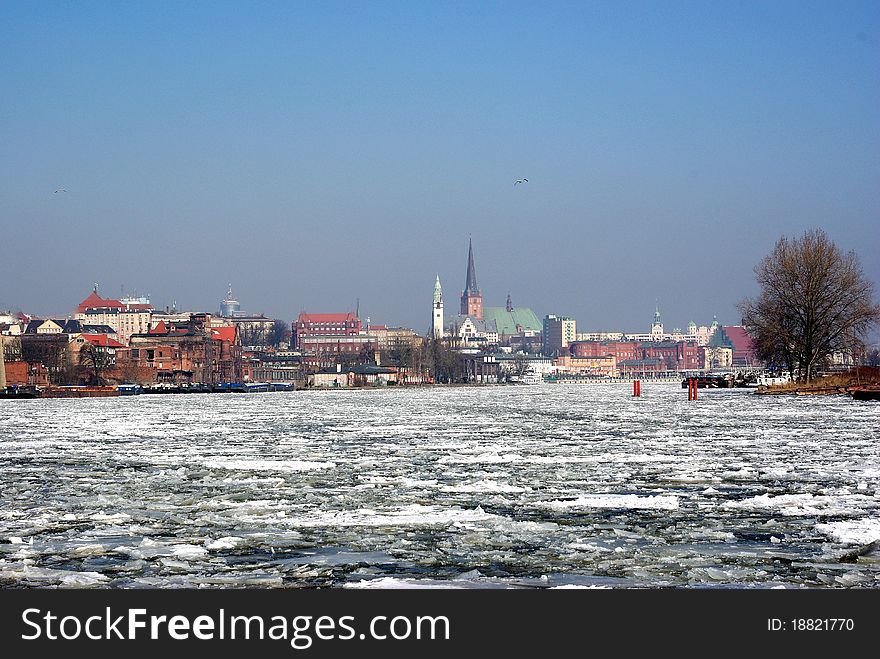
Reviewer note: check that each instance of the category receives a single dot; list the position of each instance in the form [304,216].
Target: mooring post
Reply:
[2,366]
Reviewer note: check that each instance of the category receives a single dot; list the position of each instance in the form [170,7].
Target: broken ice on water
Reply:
[491,487]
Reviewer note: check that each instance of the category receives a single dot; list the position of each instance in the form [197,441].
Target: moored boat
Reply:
[865,394]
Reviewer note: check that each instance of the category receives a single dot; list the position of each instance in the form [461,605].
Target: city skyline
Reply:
[320,156]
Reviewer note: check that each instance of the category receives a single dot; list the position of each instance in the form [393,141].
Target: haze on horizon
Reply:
[317,155]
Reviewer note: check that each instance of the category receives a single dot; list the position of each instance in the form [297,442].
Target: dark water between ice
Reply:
[536,486]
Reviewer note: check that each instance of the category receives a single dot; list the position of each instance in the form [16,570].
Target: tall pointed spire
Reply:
[470,286]
[472,297]
[438,290]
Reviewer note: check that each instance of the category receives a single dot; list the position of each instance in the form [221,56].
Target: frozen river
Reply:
[504,486]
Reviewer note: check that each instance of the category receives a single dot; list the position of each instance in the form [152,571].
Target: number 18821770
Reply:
[810,624]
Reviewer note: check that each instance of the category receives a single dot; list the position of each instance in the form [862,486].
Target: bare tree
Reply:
[520,364]
[814,301]
[279,333]
[95,361]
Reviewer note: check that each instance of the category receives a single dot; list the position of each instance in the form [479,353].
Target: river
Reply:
[473,487]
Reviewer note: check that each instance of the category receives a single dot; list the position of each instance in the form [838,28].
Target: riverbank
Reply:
[864,378]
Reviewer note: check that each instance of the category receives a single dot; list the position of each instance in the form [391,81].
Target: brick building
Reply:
[674,355]
[322,325]
[178,353]
[23,374]
[621,350]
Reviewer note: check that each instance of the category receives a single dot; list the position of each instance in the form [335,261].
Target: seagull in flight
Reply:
[521,180]
[60,190]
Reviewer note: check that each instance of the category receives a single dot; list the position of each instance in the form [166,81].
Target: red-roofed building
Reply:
[742,344]
[160,328]
[125,317]
[226,333]
[95,301]
[183,353]
[102,341]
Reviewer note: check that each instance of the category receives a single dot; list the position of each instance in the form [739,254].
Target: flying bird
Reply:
[60,190]
[521,180]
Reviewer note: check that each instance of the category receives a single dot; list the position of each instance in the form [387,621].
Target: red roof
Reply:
[225,333]
[160,328]
[740,339]
[377,327]
[95,301]
[102,340]
[326,317]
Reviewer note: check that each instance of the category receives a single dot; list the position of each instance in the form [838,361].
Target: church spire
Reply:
[470,286]
[472,298]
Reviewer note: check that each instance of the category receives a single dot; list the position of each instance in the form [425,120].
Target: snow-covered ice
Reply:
[545,486]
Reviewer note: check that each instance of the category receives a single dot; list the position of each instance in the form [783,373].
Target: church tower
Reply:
[438,310]
[472,297]
[657,326]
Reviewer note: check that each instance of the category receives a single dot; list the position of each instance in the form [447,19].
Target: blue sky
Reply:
[314,154]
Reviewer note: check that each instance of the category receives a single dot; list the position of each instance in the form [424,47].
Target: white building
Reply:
[437,325]
[127,316]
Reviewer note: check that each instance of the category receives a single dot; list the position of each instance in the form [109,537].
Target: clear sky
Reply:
[317,153]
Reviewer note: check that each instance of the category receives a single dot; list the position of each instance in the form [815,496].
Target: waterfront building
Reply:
[640,368]
[51,349]
[194,352]
[274,367]
[340,376]
[620,350]
[558,334]
[600,366]
[518,363]
[676,355]
[24,374]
